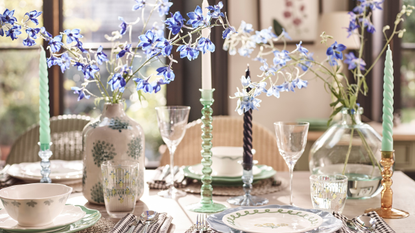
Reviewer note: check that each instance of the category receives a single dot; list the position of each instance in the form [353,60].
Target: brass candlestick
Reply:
[386,210]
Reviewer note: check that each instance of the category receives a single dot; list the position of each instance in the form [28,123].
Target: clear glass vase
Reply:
[352,148]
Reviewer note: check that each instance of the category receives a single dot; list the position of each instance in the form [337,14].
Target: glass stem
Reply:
[172,150]
[291,167]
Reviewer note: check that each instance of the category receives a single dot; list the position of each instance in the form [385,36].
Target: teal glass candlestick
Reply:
[45,154]
[206,204]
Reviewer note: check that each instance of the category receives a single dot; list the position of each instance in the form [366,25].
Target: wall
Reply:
[312,102]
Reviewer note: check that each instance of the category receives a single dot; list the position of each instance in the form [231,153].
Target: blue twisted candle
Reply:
[44,131]
[387,140]
[247,139]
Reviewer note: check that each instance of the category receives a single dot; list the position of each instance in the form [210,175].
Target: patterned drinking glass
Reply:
[328,192]
[120,186]
[291,141]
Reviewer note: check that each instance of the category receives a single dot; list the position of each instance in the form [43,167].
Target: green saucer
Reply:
[266,172]
[90,218]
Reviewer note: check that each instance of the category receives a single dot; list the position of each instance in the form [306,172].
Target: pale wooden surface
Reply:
[403,187]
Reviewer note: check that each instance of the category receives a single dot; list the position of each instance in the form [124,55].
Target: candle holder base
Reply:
[248,200]
[45,154]
[389,213]
[207,208]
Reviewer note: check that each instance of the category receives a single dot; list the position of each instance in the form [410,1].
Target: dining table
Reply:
[403,198]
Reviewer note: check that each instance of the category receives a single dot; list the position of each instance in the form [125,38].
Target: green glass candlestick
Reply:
[206,204]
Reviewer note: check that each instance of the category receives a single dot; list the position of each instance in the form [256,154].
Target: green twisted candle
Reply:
[387,140]
[44,136]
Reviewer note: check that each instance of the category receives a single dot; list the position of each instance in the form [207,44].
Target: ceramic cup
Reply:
[120,184]
[35,204]
[225,160]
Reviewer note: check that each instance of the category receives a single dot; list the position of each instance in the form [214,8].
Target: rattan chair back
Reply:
[227,131]
[66,137]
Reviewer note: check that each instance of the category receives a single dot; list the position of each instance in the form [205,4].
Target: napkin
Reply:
[180,181]
[162,225]
[381,225]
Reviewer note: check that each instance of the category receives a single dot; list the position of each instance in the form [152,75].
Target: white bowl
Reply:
[35,204]
[225,160]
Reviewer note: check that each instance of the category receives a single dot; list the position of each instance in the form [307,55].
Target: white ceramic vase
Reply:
[113,136]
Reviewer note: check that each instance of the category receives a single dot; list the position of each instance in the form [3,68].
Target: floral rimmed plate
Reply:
[89,219]
[272,220]
[265,172]
[329,222]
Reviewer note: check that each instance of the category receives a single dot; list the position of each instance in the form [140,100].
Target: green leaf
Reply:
[334,103]
[334,113]
[141,95]
[277,27]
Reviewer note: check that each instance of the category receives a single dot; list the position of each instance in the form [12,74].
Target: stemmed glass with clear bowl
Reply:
[291,141]
[172,122]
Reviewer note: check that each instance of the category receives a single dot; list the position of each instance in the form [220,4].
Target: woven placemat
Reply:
[265,186]
[103,225]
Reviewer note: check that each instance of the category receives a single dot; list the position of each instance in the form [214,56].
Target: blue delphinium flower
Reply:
[246,102]
[164,7]
[360,8]
[79,66]
[245,51]
[101,56]
[285,34]
[196,18]
[47,36]
[167,73]
[187,51]
[65,62]
[299,83]
[117,82]
[80,92]
[14,32]
[260,88]
[228,31]
[246,27]
[335,52]
[32,32]
[72,35]
[216,10]
[80,47]
[28,41]
[301,49]
[8,17]
[281,58]
[157,84]
[264,35]
[126,49]
[205,44]
[353,62]
[147,40]
[375,5]
[175,23]
[33,15]
[140,4]
[268,71]
[246,81]
[56,43]
[52,61]
[306,61]
[368,24]
[123,26]
[352,24]
[165,46]
[143,84]
[89,71]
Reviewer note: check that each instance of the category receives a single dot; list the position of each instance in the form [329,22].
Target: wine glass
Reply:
[172,121]
[291,141]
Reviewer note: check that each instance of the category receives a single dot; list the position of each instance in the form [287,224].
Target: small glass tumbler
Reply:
[328,192]
[120,186]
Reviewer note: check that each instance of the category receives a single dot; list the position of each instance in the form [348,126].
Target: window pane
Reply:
[408,86]
[409,24]
[97,18]
[21,7]
[19,94]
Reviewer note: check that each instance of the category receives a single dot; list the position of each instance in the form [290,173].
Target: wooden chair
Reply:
[227,131]
[66,136]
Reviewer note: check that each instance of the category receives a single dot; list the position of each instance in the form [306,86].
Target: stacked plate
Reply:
[259,172]
[61,171]
[274,219]
[72,219]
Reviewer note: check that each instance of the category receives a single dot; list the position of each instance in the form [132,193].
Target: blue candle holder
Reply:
[45,163]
